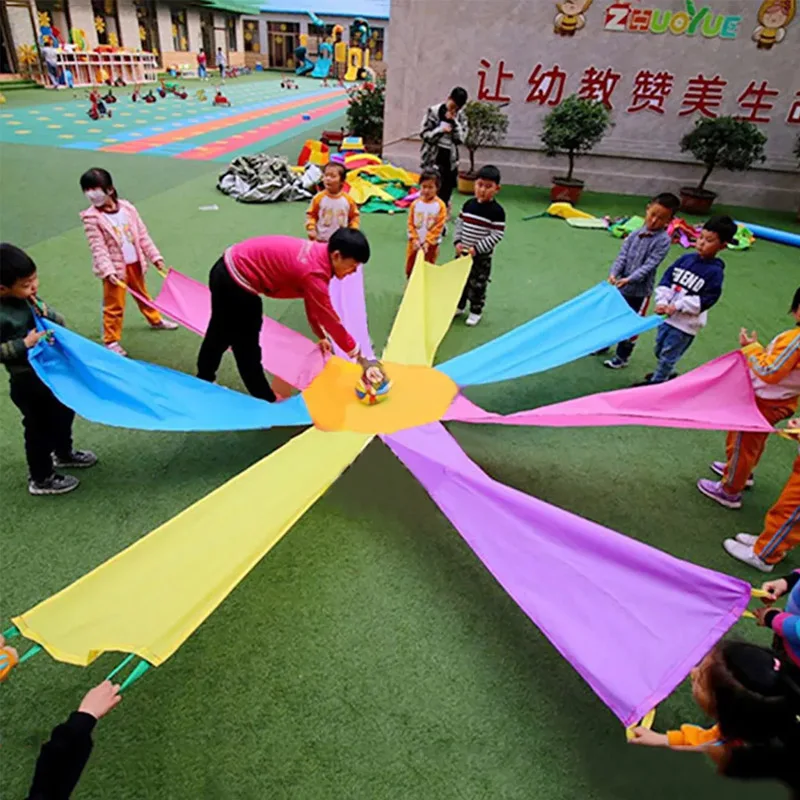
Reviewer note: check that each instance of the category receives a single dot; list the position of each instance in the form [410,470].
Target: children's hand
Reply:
[33,338]
[612,280]
[312,235]
[325,346]
[760,615]
[471,251]
[746,338]
[415,245]
[661,308]
[115,281]
[774,590]
[670,310]
[100,700]
[649,738]
[622,282]
[160,268]
[459,249]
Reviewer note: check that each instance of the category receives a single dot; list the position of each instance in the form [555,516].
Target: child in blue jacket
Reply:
[689,288]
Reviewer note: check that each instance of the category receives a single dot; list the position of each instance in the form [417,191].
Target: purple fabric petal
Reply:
[631,619]
[347,296]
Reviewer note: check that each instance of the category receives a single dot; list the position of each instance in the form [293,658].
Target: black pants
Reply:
[47,423]
[235,323]
[222,70]
[639,305]
[448,174]
[477,283]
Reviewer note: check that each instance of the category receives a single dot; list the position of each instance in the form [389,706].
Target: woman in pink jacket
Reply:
[121,248]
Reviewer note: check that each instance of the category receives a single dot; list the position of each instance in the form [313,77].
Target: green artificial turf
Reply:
[369,655]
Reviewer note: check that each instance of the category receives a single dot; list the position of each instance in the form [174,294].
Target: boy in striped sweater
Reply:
[479,229]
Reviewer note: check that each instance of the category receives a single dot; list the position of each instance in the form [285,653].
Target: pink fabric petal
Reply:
[716,396]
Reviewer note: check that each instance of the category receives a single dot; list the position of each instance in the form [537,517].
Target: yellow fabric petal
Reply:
[152,596]
[426,311]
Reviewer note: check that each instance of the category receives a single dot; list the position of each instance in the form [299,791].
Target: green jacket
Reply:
[16,321]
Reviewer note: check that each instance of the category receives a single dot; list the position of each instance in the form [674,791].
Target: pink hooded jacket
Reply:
[107,257]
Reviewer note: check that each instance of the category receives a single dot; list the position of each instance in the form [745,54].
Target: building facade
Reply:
[175,30]
[660,65]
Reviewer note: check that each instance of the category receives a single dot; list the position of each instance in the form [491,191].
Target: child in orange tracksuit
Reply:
[331,208]
[427,216]
[121,248]
[775,372]
[781,525]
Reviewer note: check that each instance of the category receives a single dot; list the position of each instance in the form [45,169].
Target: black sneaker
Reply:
[77,459]
[55,484]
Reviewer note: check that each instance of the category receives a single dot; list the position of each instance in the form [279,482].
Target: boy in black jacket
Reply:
[479,228]
[47,421]
[62,759]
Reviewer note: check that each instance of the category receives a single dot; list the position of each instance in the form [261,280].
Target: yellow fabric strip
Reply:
[151,597]
[426,311]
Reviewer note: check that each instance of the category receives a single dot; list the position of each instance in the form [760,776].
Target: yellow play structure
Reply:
[357,52]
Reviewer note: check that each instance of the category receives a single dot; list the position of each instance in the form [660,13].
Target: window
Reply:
[180,34]
[230,25]
[376,44]
[252,41]
[282,38]
[148,25]
[106,22]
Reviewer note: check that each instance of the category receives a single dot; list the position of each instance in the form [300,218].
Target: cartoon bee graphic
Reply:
[774,17]
[570,16]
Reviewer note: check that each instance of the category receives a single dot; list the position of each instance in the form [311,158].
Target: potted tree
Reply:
[573,127]
[365,113]
[486,127]
[725,142]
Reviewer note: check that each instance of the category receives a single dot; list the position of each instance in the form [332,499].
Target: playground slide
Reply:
[322,69]
[304,67]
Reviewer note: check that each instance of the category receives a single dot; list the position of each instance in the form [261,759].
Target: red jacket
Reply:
[288,268]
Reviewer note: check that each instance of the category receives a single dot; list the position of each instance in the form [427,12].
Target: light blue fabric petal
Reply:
[104,387]
[595,319]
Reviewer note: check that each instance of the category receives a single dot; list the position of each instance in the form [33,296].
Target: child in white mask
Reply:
[121,248]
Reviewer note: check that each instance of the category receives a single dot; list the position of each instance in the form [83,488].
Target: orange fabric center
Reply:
[419,395]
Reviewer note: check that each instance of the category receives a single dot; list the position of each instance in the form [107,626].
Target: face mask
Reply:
[97,197]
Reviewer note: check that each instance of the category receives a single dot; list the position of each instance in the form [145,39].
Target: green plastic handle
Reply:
[136,673]
[30,653]
[11,633]
[122,664]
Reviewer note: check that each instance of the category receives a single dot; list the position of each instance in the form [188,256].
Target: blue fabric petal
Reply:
[595,319]
[104,387]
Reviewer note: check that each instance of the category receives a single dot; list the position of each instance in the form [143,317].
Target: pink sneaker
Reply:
[116,347]
[714,491]
[719,468]
[165,325]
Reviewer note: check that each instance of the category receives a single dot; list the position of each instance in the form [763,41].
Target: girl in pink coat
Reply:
[121,248]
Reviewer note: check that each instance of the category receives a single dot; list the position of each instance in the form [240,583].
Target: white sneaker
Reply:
[747,539]
[459,313]
[116,347]
[745,554]
[473,320]
[165,325]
